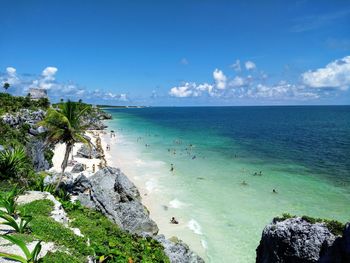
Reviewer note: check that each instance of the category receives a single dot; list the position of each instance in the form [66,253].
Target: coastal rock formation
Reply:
[87,152]
[298,241]
[178,251]
[24,116]
[110,192]
[36,152]
[78,167]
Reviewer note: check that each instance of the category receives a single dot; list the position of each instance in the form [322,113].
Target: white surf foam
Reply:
[195,227]
[151,185]
[176,203]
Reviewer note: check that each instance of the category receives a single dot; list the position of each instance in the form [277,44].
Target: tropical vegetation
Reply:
[65,126]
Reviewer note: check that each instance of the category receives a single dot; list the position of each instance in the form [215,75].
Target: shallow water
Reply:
[302,152]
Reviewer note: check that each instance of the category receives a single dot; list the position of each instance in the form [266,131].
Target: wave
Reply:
[195,227]
[151,185]
[175,203]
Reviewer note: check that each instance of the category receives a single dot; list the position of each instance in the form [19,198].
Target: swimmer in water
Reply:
[274,191]
[244,183]
[174,221]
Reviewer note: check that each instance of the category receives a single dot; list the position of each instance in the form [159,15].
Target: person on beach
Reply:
[174,221]
[93,168]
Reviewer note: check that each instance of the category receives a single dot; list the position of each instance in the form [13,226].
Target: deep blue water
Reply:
[316,137]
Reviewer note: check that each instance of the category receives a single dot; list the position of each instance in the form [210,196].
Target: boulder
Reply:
[178,252]
[36,152]
[295,240]
[24,116]
[87,152]
[77,168]
[110,192]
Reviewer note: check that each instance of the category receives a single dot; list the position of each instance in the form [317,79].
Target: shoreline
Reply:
[159,213]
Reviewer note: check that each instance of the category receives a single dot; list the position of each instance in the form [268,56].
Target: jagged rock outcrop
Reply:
[36,152]
[178,251]
[88,152]
[295,240]
[24,116]
[110,192]
[77,168]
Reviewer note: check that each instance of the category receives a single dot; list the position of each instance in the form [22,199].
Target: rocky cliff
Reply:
[295,240]
[112,193]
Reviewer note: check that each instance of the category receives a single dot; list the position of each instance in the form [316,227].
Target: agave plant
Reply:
[8,200]
[20,227]
[13,162]
[30,257]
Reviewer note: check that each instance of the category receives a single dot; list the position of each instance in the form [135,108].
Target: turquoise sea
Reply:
[301,152]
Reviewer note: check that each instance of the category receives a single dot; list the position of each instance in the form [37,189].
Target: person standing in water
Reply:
[172,168]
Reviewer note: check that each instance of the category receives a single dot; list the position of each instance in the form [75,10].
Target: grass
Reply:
[107,240]
[335,227]
[110,241]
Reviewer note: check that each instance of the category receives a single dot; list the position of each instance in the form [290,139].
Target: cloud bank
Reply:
[20,85]
[313,84]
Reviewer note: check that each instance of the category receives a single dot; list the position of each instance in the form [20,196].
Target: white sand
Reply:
[59,155]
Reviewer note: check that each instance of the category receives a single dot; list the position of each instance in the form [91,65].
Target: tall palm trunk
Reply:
[69,147]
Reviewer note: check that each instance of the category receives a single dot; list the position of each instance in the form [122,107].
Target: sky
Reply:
[178,53]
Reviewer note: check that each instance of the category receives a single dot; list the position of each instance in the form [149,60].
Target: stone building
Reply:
[37,93]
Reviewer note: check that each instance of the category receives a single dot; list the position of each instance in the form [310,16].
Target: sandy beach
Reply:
[161,210]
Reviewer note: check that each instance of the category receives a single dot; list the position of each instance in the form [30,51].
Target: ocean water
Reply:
[301,152]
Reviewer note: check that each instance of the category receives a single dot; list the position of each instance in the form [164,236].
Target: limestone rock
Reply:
[110,192]
[295,240]
[77,168]
[178,252]
[87,152]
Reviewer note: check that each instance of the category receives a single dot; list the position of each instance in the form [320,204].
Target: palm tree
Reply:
[6,86]
[65,126]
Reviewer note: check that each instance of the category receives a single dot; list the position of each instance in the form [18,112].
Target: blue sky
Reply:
[196,52]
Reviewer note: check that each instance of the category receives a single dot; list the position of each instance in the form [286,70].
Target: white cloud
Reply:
[186,90]
[192,90]
[335,75]
[49,72]
[11,77]
[11,71]
[250,65]
[47,80]
[237,66]
[220,79]
[237,82]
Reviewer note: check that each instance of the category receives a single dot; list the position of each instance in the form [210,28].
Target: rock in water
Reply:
[295,240]
[111,192]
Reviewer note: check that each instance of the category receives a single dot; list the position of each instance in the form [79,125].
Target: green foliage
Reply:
[61,257]
[110,242]
[14,163]
[335,227]
[106,238]
[8,200]
[9,103]
[11,221]
[11,136]
[30,257]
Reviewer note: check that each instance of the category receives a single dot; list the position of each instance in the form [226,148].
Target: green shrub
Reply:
[30,257]
[335,227]
[14,164]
